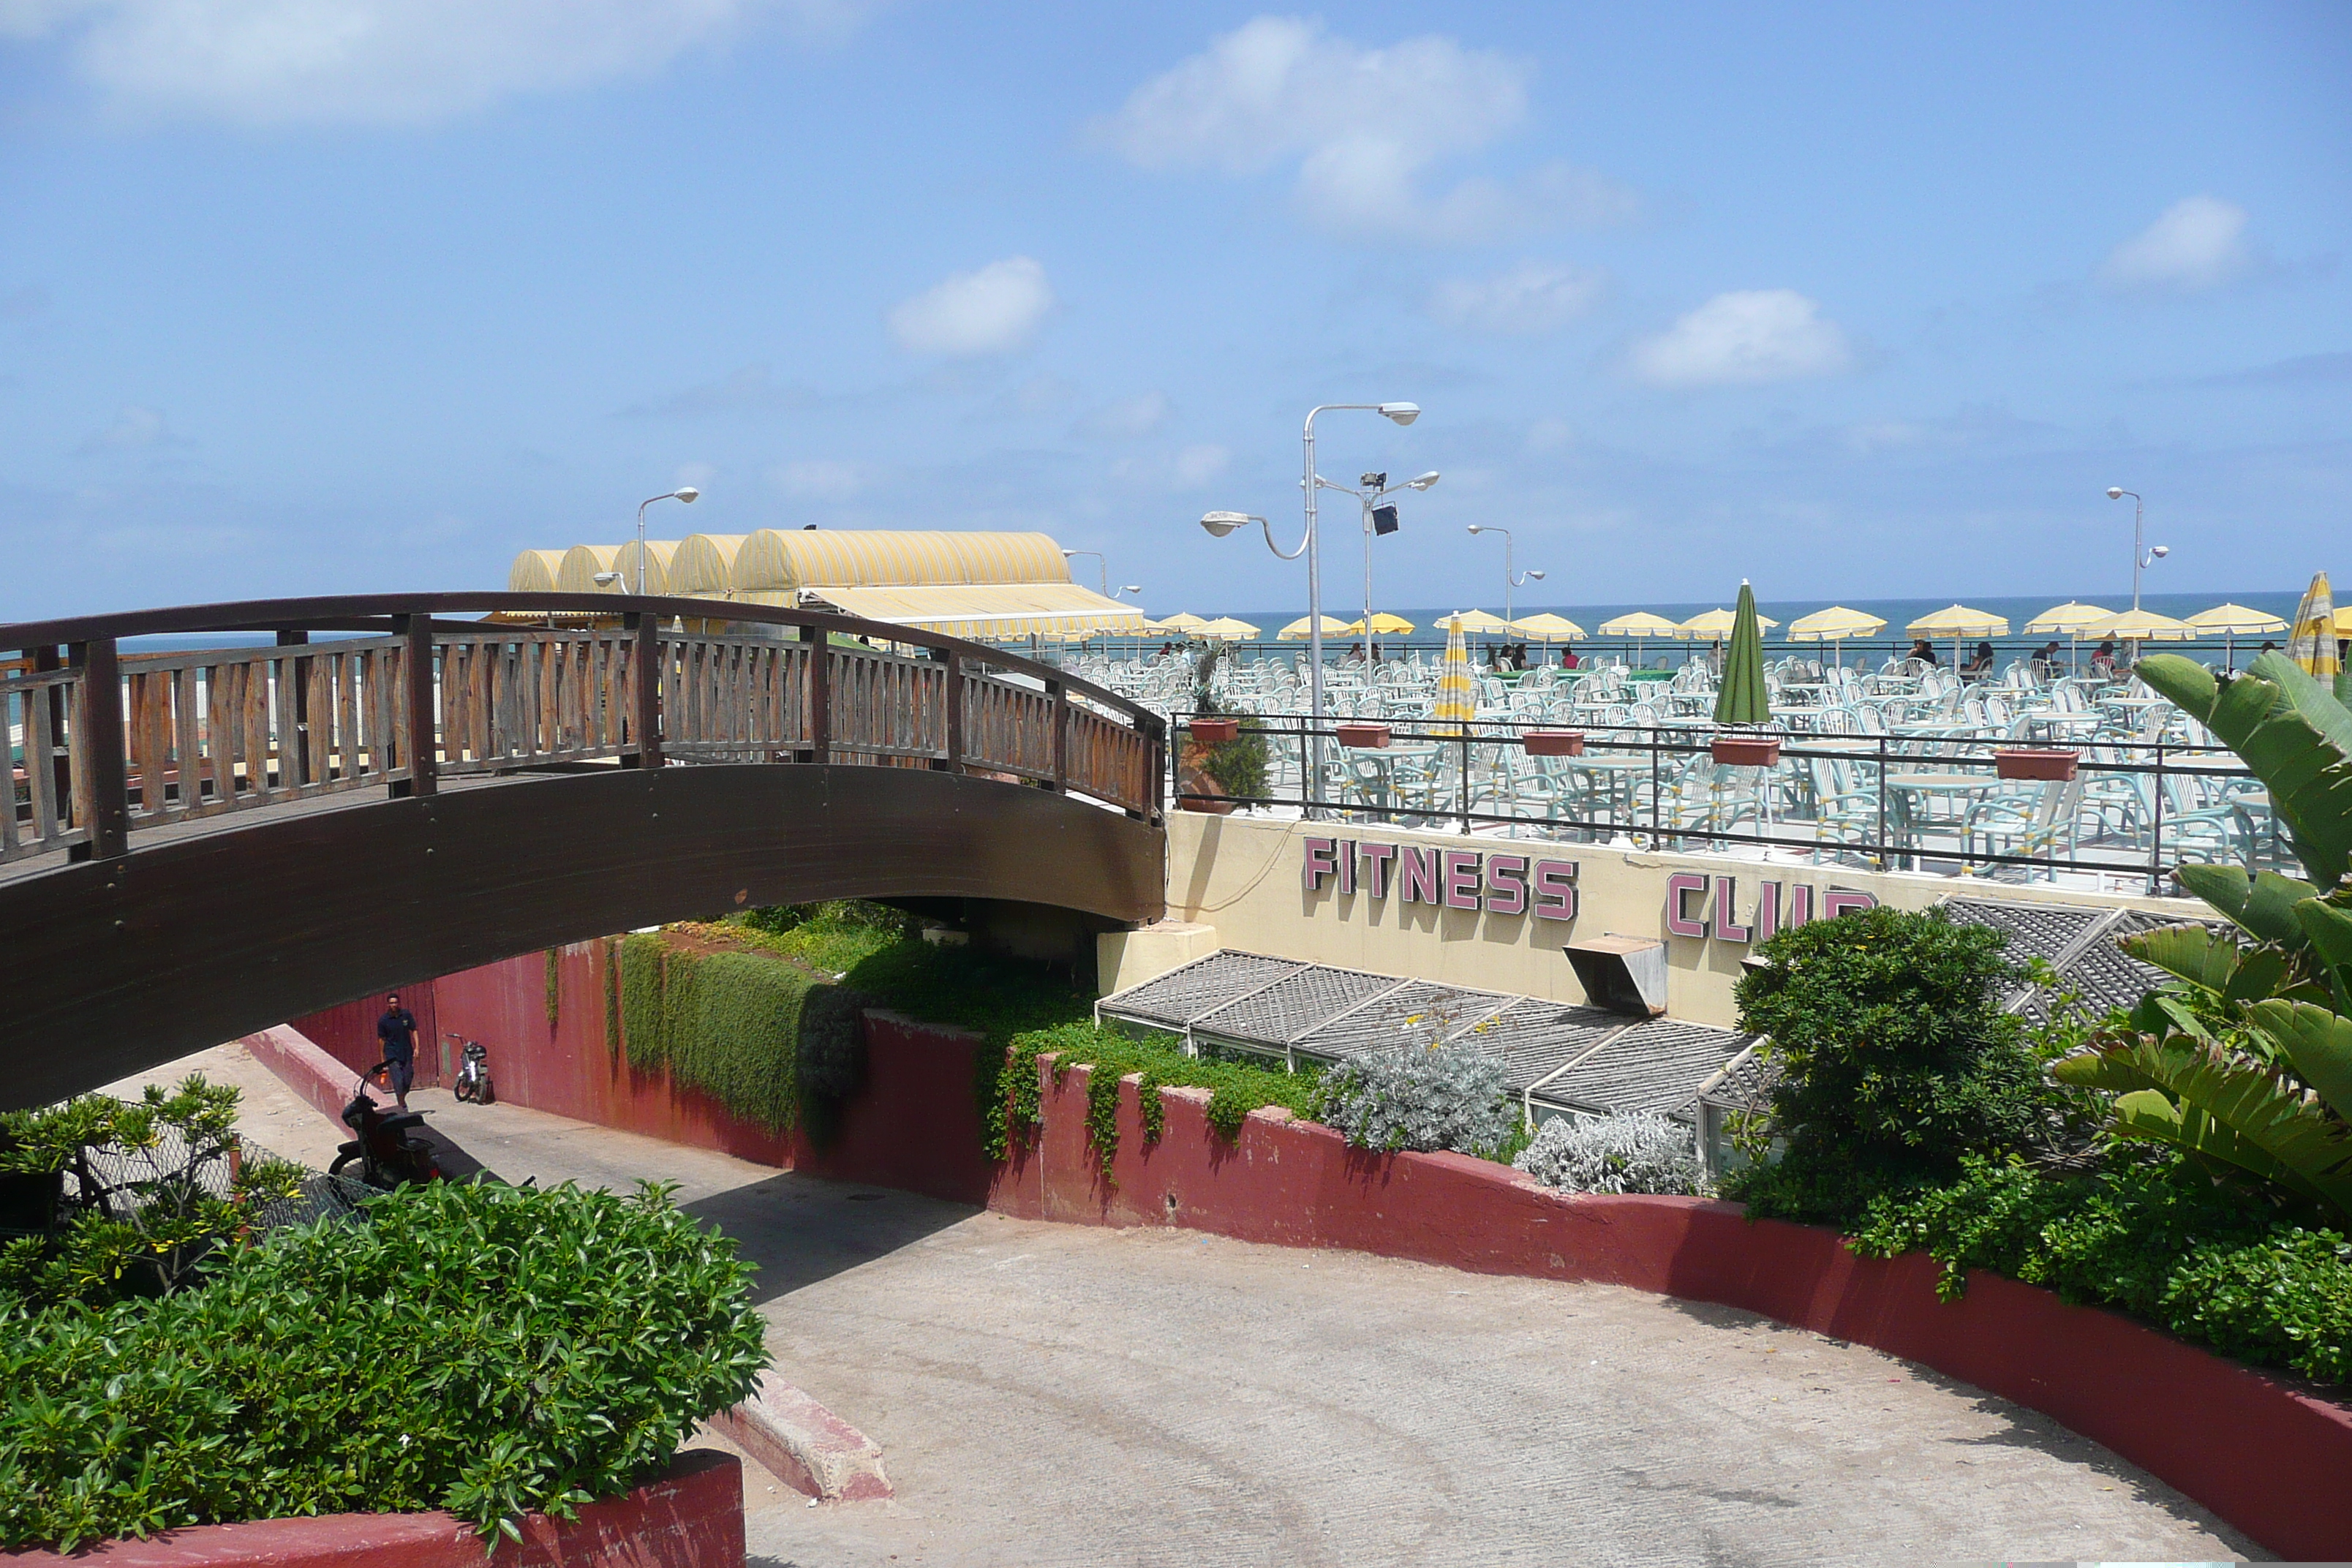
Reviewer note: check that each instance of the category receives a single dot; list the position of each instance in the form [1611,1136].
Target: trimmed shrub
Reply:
[1452,1097]
[2157,1237]
[1234,1088]
[1613,1154]
[488,1349]
[1896,1061]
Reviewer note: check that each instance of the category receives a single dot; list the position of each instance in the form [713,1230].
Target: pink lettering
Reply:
[1461,880]
[1416,874]
[1317,863]
[1679,922]
[1555,889]
[1507,884]
[1373,860]
[1837,900]
[1347,866]
[1800,906]
[1726,895]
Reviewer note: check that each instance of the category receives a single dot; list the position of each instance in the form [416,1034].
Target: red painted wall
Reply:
[348,1032]
[690,1517]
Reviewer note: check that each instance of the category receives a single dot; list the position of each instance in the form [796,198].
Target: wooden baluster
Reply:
[44,765]
[101,785]
[1061,698]
[646,673]
[820,695]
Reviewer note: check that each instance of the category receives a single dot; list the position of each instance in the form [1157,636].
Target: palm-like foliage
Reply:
[2245,1060]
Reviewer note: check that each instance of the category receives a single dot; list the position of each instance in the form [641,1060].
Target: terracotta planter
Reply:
[1553,742]
[1746,750]
[1195,790]
[1371,737]
[2022,763]
[1214,731]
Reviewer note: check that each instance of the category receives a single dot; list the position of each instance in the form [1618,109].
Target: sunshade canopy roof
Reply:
[2237,620]
[1184,621]
[1478,620]
[534,570]
[1716,624]
[892,558]
[1959,621]
[583,563]
[1383,624]
[2141,625]
[2068,619]
[986,612]
[1835,625]
[1639,624]
[1332,628]
[1224,628]
[1546,627]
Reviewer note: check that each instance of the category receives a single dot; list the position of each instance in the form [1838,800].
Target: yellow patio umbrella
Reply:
[1640,624]
[2235,621]
[1478,620]
[1715,625]
[1546,627]
[1296,630]
[2069,618]
[1958,621]
[1833,625]
[2141,625]
[2313,643]
[1227,629]
[2344,622]
[1182,620]
[1383,625]
[1457,697]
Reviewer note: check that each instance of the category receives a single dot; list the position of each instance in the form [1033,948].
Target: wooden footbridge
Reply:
[344,794]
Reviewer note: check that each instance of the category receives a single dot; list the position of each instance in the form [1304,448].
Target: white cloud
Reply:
[1128,418]
[1192,468]
[994,310]
[2198,243]
[1365,126]
[1525,301]
[1744,338]
[134,429]
[819,478]
[380,61]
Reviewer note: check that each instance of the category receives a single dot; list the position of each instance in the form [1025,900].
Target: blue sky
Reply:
[345,295]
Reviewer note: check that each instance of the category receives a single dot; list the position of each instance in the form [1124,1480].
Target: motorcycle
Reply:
[473,1085]
[386,1153]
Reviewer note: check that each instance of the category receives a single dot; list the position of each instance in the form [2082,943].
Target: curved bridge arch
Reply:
[247,835]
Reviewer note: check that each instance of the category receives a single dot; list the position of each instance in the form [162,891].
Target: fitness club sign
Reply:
[1500,883]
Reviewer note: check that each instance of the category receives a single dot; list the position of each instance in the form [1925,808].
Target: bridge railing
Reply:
[103,743]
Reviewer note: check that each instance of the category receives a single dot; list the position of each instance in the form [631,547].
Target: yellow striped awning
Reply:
[987,611]
[893,558]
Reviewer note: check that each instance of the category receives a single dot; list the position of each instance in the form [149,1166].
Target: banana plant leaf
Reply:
[2292,732]
[2328,923]
[2316,1040]
[2263,904]
[2147,1115]
[2206,958]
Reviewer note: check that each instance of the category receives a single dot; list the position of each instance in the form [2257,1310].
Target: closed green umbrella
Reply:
[1741,700]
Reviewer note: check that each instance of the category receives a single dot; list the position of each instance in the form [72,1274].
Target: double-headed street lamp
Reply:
[2143,557]
[1378,519]
[1104,562]
[1509,580]
[1220,523]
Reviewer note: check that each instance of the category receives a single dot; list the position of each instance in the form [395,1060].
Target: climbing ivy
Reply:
[554,983]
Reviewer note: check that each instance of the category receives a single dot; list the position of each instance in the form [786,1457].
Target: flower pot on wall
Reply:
[1746,750]
[1195,790]
[1553,742]
[1373,737]
[2019,763]
[1214,731]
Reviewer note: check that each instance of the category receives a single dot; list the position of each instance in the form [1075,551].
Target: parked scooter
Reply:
[473,1085]
[384,1149]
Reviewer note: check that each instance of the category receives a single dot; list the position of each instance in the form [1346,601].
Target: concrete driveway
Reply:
[1050,1395]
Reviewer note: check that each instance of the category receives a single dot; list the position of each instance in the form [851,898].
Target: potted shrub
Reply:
[1746,750]
[1217,766]
[2027,763]
[1553,742]
[1363,736]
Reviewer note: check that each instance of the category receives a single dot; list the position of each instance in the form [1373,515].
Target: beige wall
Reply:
[1242,877]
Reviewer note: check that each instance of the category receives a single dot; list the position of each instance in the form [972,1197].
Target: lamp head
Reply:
[1068,554]
[1475,529]
[1220,523]
[1132,588]
[606,579]
[2115,492]
[1423,482]
[1402,412]
[1536,575]
[2158,551]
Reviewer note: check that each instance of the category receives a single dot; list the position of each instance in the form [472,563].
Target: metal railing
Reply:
[399,699]
[1885,801]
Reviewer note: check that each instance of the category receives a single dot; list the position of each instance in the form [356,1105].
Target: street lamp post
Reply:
[1509,580]
[2142,558]
[1375,489]
[686,493]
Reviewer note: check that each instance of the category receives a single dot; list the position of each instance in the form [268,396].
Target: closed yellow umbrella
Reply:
[2312,644]
[1457,697]
[1715,625]
[1227,629]
[1296,630]
[1548,627]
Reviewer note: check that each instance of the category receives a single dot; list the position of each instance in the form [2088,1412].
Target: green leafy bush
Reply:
[1235,1089]
[1896,1061]
[153,1197]
[2157,1238]
[482,1348]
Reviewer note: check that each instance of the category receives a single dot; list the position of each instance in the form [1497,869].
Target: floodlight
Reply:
[1220,523]
[1423,482]
[1402,412]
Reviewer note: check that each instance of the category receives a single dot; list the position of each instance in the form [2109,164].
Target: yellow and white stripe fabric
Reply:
[2312,644]
[1457,697]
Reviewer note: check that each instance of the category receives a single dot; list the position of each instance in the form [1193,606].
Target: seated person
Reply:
[1923,650]
[2046,658]
[1980,663]
[1568,660]
[2103,658]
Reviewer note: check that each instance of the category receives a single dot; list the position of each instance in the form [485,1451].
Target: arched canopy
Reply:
[705,563]
[534,570]
[777,559]
[582,564]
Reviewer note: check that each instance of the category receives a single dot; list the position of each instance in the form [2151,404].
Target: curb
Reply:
[807,1446]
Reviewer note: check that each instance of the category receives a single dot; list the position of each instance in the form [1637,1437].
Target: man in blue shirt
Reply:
[395,1035]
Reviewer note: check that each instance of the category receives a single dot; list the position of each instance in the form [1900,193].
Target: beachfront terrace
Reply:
[2034,774]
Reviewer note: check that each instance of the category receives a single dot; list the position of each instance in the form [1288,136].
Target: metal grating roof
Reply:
[1655,1066]
[1539,1038]
[1746,1085]
[2034,930]
[2105,975]
[1181,996]
[2079,941]
[1295,1004]
[1417,1013]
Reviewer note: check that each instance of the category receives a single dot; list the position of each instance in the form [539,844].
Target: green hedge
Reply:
[768,1039]
[483,1349]
[1235,1089]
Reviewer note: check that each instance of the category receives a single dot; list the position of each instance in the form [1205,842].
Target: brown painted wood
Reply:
[111,967]
[101,787]
[423,770]
[820,693]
